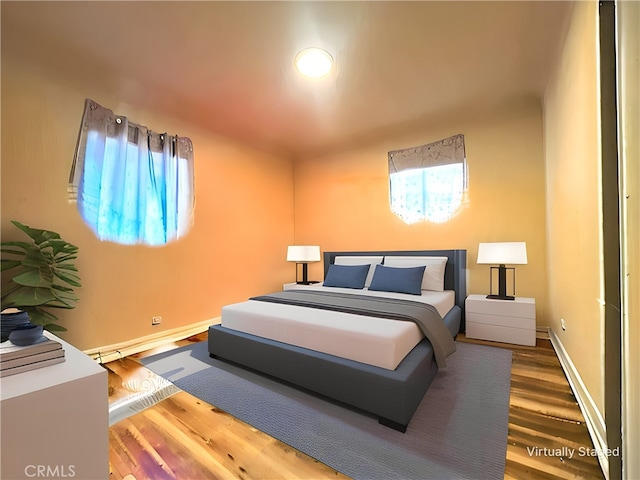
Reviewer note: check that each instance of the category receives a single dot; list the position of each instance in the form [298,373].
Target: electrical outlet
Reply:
[562,324]
[157,320]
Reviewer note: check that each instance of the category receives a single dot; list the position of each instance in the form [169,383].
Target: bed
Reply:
[371,348]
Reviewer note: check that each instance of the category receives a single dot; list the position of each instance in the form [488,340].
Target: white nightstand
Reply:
[509,321]
[289,286]
[56,417]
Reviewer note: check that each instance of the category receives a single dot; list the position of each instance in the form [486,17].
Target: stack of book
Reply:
[15,359]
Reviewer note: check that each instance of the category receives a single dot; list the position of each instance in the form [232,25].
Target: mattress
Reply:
[374,341]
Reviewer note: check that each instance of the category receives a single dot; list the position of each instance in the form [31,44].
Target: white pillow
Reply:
[433,275]
[372,261]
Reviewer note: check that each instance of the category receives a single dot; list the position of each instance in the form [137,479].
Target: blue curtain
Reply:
[132,185]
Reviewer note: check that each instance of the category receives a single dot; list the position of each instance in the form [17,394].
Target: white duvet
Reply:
[375,341]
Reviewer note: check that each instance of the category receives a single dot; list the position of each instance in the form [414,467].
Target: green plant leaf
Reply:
[39,236]
[66,258]
[13,252]
[29,296]
[59,246]
[35,317]
[9,264]
[67,298]
[58,303]
[44,277]
[69,266]
[52,327]
[22,245]
[32,278]
[62,288]
[35,258]
[46,316]
[70,278]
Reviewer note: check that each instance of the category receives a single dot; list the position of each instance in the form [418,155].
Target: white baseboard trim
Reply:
[593,418]
[542,332]
[109,353]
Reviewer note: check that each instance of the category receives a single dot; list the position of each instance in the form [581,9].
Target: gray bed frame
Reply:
[391,395]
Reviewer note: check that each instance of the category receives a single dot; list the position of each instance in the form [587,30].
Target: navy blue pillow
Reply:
[401,280]
[346,276]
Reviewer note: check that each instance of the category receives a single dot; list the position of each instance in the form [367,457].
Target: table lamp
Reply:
[303,254]
[502,254]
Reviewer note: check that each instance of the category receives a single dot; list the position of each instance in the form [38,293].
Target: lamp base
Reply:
[501,297]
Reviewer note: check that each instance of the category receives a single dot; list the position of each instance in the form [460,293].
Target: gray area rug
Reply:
[458,432]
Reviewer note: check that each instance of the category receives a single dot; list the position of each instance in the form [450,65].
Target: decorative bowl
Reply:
[26,334]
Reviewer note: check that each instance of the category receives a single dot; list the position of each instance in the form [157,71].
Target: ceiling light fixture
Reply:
[313,62]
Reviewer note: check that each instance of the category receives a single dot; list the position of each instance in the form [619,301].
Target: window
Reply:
[132,185]
[428,183]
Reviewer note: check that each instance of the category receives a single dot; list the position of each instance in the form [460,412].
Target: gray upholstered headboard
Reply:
[455,275]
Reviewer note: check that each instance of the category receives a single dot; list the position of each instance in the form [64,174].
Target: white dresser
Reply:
[508,321]
[55,420]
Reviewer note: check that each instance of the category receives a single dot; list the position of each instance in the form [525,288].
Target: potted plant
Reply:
[45,275]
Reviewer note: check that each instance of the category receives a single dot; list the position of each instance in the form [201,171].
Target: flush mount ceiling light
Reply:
[313,62]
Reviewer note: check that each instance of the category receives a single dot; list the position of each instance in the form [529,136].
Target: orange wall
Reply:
[574,226]
[342,200]
[243,216]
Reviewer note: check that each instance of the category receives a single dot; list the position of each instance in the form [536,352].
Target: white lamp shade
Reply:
[303,253]
[503,253]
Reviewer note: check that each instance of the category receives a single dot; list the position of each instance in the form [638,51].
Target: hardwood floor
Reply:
[545,421]
[182,437]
